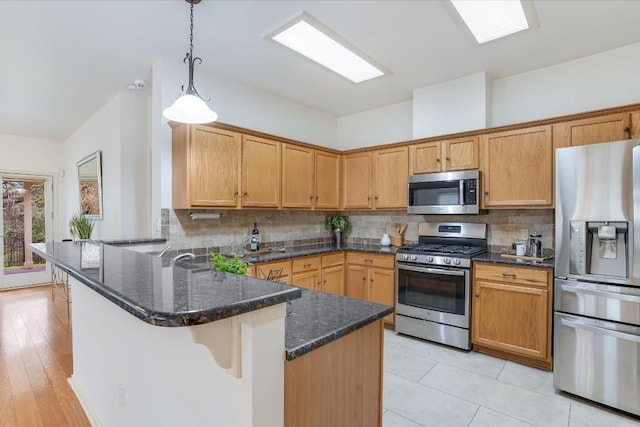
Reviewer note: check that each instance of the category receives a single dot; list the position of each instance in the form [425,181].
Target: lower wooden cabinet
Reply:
[371,277]
[323,273]
[511,311]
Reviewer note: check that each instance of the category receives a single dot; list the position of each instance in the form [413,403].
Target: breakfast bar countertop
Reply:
[159,291]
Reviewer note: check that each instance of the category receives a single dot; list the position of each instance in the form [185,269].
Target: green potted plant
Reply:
[81,226]
[230,265]
[338,224]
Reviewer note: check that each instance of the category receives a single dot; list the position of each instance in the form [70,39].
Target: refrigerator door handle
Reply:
[599,293]
[604,331]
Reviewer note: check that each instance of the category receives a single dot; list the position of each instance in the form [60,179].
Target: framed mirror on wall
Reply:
[90,185]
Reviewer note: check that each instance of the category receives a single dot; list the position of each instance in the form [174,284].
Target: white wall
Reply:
[19,154]
[454,106]
[392,123]
[603,80]
[119,129]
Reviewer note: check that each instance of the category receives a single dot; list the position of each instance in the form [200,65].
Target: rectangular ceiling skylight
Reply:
[305,37]
[491,19]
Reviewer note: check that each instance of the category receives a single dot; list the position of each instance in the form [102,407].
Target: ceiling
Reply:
[63,60]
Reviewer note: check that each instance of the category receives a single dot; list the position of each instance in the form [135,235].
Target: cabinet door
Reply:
[425,158]
[327,180]
[356,284]
[260,172]
[297,176]
[308,280]
[612,127]
[511,318]
[200,157]
[333,279]
[460,154]
[357,181]
[517,168]
[391,171]
[382,288]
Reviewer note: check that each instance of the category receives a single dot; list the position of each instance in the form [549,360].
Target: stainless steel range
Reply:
[433,281]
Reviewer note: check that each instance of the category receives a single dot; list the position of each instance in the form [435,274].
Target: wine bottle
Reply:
[255,238]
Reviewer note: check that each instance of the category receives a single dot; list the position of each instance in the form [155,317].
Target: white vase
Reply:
[386,240]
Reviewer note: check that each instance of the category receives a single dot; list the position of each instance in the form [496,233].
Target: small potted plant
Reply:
[338,224]
[81,226]
[230,265]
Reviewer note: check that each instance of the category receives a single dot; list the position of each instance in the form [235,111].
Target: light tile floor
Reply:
[427,384]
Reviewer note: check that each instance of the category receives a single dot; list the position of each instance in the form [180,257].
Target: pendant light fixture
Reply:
[190,107]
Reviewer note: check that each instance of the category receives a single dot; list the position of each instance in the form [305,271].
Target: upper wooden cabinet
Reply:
[391,170]
[297,176]
[357,181]
[517,168]
[205,167]
[260,172]
[310,178]
[612,127]
[443,156]
[376,179]
[327,180]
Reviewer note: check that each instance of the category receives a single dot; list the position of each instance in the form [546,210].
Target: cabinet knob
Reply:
[371,280]
[307,265]
[319,282]
[447,159]
[311,197]
[245,194]
[236,193]
[477,295]
[486,193]
[317,197]
[368,198]
[324,281]
[626,129]
[376,197]
[437,160]
[364,279]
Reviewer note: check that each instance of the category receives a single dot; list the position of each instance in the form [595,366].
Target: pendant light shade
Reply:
[190,107]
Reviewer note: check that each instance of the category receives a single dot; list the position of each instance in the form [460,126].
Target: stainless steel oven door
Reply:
[435,294]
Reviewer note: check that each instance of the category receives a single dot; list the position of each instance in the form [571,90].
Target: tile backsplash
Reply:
[290,228]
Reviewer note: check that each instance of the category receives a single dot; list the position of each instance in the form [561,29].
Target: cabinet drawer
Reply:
[332,259]
[369,259]
[300,265]
[262,270]
[511,274]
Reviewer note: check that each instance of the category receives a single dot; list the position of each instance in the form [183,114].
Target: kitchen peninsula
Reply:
[158,342]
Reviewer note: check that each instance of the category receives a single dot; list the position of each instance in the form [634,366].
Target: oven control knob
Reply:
[405,257]
[456,261]
[414,257]
[447,260]
[429,258]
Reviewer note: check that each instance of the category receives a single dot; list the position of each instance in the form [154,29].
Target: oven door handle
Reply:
[431,270]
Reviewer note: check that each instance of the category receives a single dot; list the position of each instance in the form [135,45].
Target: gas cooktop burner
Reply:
[442,249]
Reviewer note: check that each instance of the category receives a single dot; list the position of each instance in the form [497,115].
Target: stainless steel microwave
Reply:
[444,193]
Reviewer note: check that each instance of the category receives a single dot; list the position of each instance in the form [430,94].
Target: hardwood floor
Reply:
[36,361]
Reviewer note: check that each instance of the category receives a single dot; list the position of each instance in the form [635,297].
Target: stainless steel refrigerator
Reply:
[597,273]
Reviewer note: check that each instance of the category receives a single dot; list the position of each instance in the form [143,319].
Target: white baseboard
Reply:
[84,402]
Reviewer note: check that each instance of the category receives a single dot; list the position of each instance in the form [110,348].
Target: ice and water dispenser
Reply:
[599,248]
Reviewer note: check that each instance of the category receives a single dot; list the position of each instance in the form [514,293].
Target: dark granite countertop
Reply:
[318,318]
[158,293]
[307,250]
[497,258]
[121,242]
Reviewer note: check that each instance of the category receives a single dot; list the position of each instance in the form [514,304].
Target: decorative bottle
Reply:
[255,238]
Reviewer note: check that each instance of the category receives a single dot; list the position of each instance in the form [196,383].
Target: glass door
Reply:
[26,217]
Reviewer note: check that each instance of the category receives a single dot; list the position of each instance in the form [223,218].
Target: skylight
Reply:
[305,37]
[491,19]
